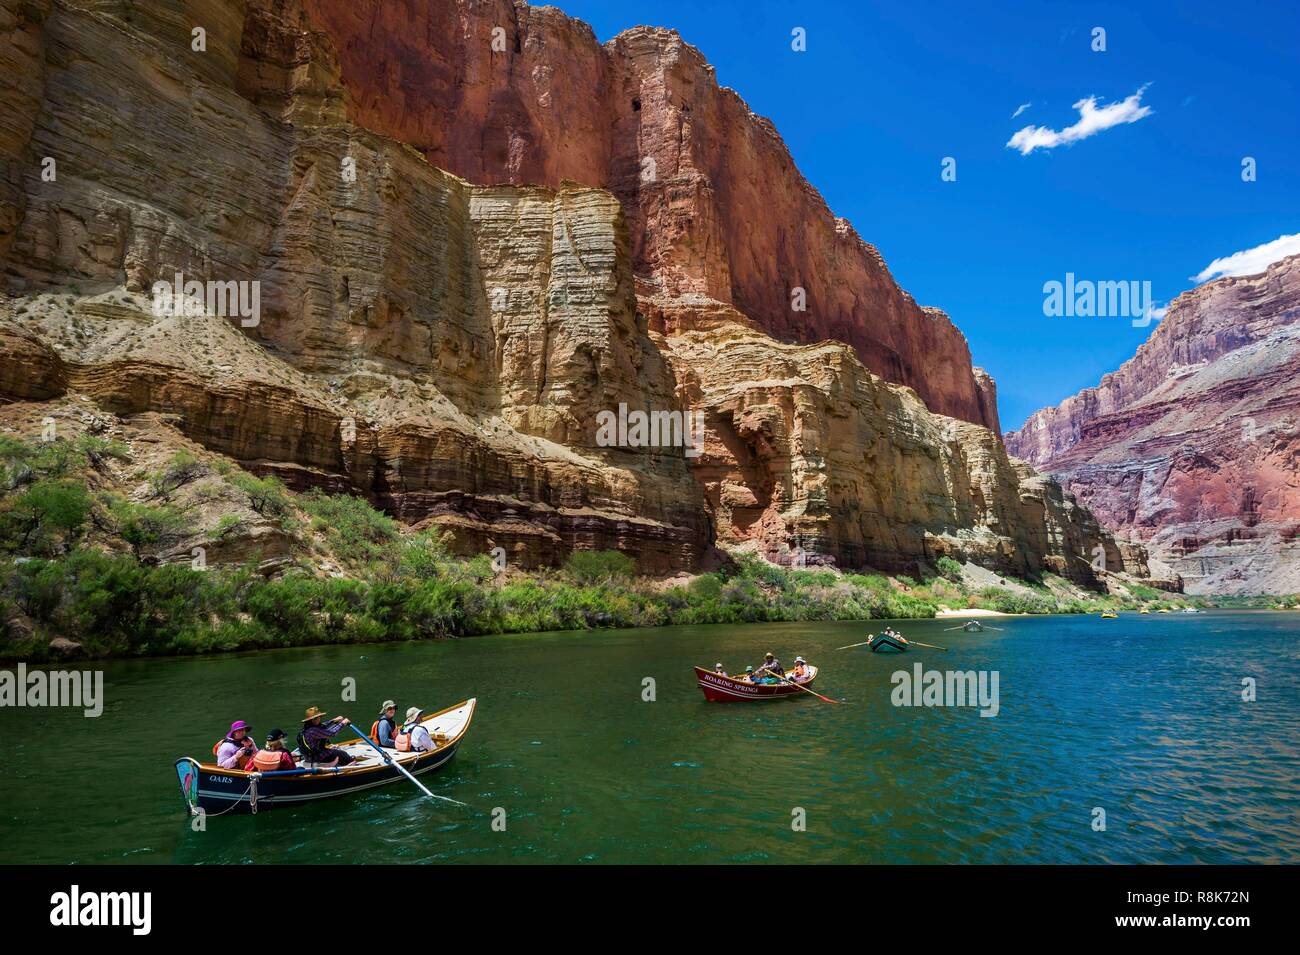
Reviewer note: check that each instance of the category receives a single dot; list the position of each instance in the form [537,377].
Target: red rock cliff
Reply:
[712,197]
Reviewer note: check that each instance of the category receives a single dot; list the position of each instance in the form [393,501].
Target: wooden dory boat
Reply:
[882,643]
[973,626]
[725,689]
[215,790]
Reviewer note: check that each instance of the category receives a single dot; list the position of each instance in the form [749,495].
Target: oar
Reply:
[781,676]
[930,645]
[399,767]
[852,645]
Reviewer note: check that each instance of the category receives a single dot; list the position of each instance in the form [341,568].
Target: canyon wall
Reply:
[1193,445]
[498,91]
[445,347]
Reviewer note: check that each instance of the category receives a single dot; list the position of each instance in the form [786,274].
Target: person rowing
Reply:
[770,664]
[314,740]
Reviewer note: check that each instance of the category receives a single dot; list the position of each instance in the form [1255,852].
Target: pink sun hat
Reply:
[239,725]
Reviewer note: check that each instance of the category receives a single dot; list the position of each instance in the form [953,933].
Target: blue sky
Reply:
[885,91]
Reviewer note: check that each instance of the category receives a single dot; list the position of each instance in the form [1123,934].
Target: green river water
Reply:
[1142,717]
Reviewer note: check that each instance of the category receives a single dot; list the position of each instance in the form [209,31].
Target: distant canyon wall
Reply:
[1193,445]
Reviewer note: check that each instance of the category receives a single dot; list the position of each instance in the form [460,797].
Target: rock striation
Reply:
[501,92]
[1193,446]
[463,257]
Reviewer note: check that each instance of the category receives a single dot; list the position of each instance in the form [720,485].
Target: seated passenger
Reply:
[274,757]
[385,728]
[717,668]
[237,749]
[800,671]
[414,736]
[748,675]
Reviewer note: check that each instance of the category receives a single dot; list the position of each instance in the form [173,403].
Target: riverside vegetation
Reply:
[86,567]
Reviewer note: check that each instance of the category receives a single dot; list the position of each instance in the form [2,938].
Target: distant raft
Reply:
[884,643]
[1109,616]
[216,790]
[727,689]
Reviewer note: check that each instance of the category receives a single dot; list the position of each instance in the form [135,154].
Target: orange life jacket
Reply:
[266,760]
[402,741]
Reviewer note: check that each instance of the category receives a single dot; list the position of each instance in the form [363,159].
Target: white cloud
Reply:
[1251,261]
[1092,120]
[1023,107]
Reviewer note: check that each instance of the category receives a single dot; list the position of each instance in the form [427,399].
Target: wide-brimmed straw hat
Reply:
[312,713]
[413,714]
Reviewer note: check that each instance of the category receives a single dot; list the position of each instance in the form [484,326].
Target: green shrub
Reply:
[266,495]
[143,527]
[593,566]
[356,532]
[949,569]
[45,518]
[183,469]
[227,524]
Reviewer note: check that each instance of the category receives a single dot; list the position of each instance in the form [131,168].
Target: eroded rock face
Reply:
[446,348]
[499,91]
[1193,445]
[820,460]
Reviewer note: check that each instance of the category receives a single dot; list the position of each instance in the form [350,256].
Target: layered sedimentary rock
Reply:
[498,91]
[1193,445]
[446,348]
[442,348]
[818,459]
